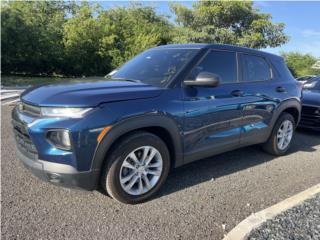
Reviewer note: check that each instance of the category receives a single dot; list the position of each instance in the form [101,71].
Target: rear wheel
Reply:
[281,136]
[136,168]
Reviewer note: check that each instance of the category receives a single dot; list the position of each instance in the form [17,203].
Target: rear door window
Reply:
[254,68]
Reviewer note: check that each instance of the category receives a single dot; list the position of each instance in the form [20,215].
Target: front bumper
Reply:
[53,165]
[307,125]
[60,174]
[309,117]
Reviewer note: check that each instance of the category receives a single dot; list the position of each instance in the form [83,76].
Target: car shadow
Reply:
[230,162]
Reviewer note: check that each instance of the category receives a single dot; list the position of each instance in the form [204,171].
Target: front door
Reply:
[213,117]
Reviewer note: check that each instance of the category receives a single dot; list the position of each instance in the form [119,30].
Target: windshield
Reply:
[156,66]
[314,84]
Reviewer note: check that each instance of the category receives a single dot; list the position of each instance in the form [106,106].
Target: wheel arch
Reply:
[160,125]
[292,106]
[294,112]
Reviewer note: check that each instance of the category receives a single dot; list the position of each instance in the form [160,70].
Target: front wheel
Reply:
[136,168]
[281,136]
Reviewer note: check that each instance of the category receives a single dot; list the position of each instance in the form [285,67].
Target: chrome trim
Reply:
[29,109]
[309,105]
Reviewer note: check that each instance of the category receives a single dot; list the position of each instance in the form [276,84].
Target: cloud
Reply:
[311,33]
[261,4]
[311,43]
[312,47]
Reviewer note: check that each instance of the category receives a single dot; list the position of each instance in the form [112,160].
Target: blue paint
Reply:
[207,119]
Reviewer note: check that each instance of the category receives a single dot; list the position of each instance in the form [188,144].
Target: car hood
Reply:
[311,97]
[88,94]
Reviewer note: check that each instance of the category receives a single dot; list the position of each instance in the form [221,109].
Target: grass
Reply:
[16,81]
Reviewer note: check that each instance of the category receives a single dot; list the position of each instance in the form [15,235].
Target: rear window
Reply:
[254,68]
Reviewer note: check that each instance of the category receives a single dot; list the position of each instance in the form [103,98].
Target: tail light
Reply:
[300,85]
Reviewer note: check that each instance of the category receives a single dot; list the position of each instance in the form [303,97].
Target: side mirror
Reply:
[204,79]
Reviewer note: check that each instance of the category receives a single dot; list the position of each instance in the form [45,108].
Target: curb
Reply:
[244,228]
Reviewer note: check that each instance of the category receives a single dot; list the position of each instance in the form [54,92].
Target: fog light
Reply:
[54,178]
[59,138]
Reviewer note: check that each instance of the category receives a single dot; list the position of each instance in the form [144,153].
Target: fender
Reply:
[134,123]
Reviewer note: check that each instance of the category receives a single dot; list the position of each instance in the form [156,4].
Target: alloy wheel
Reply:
[284,134]
[141,170]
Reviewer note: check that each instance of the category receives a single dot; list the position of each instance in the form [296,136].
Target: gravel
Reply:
[202,200]
[301,222]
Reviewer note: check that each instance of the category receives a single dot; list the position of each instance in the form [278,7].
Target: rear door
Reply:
[259,90]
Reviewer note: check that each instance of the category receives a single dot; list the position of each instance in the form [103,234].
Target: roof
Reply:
[219,46]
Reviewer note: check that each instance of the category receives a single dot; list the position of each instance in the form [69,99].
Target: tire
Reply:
[138,142]
[271,146]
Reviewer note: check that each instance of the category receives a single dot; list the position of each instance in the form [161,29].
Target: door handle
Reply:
[237,93]
[280,89]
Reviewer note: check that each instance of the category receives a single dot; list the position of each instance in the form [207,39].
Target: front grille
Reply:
[309,116]
[310,110]
[29,109]
[24,143]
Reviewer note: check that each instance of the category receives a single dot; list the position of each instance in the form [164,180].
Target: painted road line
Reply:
[2,91]
[11,102]
[8,96]
[243,229]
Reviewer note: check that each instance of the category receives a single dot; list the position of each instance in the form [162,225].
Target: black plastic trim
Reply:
[286,104]
[60,174]
[135,123]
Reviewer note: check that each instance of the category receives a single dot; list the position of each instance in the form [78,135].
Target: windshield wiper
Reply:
[125,79]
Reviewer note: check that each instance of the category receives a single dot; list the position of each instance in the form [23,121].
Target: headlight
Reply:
[64,112]
[60,138]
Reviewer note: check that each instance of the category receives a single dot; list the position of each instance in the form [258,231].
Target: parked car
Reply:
[310,116]
[168,106]
[304,79]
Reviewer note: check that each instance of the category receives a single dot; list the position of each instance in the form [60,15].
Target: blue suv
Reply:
[166,107]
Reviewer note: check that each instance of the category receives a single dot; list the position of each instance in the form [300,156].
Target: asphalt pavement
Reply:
[202,200]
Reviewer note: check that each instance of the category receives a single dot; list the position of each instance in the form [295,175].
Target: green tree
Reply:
[84,39]
[97,41]
[300,64]
[129,31]
[31,36]
[82,34]
[230,22]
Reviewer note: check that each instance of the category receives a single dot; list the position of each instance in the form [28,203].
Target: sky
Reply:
[301,18]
